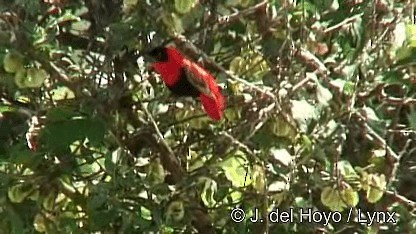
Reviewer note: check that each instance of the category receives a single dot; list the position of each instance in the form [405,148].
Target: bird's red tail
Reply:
[213,107]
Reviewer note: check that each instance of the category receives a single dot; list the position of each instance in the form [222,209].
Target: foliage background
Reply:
[320,114]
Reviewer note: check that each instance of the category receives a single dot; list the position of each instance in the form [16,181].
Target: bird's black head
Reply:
[159,54]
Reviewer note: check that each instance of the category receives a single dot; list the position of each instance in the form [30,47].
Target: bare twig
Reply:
[239,144]
[342,23]
[402,199]
[380,141]
[261,120]
[168,158]
[399,101]
[182,40]
[239,14]
[300,84]
[311,60]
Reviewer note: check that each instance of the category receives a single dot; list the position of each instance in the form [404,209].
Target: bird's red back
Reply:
[170,71]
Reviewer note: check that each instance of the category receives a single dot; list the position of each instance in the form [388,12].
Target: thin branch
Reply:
[401,199]
[399,101]
[261,121]
[168,158]
[239,144]
[227,19]
[311,60]
[343,23]
[381,142]
[182,40]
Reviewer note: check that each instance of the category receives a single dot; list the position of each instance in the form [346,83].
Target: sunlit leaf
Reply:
[278,186]
[12,62]
[175,212]
[156,173]
[259,178]
[208,191]
[62,93]
[303,113]
[349,196]
[323,95]
[236,169]
[184,6]
[282,155]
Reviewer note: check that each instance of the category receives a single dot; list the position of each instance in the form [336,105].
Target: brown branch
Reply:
[181,40]
[239,144]
[401,199]
[343,23]
[262,119]
[167,157]
[227,19]
[399,101]
[311,60]
[381,142]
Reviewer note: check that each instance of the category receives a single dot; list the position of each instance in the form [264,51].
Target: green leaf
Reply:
[59,135]
[175,212]
[376,185]
[20,77]
[410,31]
[236,169]
[184,6]
[303,113]
[7,108]
[18,193]
[346,169]
[98,220]
[32,7]
[259,178]
[96,201]
[393,77]
[95,131]
[208,191]
[281,128]
[323,95]
[16,221]
[412,120]
[278,186]
[12,62]
[328,196]
[145,213]
[349,196]
[39,223]
[20,154]
[156,172]
[232,2]
[60,113]
[62,93]
[281,155]
[237,65]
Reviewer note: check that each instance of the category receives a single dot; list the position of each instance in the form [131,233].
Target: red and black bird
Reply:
[186,78]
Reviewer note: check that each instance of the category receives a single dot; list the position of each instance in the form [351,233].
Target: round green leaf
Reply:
[175,212]
[349,196]
[19,78]
[35,77]
[184,6]
[12,62]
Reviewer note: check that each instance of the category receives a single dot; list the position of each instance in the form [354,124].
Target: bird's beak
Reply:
[148,58]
